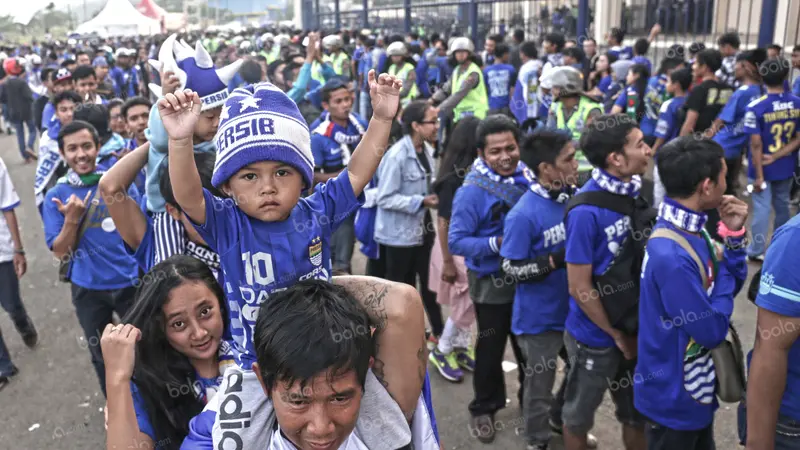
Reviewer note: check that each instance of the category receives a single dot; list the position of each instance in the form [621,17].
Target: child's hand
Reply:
[169,83]
[385,94]
[179,113]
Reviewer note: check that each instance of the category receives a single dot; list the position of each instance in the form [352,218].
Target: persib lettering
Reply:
[255,126]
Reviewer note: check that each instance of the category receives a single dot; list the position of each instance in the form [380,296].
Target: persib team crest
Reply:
[315,251]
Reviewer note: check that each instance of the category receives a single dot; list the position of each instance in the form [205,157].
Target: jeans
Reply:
[787,430]
[541,356]
[20,130]
[364,105]
[94,309]
[660,437]
[12,303]
[342,242]
[777,195]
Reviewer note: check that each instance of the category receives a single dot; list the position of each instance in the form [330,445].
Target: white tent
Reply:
[120,18]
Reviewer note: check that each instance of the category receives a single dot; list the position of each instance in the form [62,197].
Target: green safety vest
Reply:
[575,125]
[316,72]
[339,63]
[402,74]
[476,103]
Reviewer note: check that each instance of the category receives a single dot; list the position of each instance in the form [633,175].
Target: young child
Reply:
[500,79]
[184,68]
[654,97]
[266,235]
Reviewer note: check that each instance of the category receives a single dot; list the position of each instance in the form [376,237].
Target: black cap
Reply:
[97,115]
[755,57]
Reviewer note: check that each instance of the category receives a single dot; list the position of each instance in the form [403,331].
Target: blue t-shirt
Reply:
[99,262]
[621,52]
[732,136]
[668,126]
[644,61]
[653,99]
[594,236]
[776,117]
[683,321]
[126,80]
[499,79]
[259,258]
[332,145]
[47,115]
[535,227]
[796,86]
[605,83]
[779,292]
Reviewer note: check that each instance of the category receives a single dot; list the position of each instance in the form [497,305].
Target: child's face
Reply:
[207,125]
[671,87]
[266,190]
[631,78]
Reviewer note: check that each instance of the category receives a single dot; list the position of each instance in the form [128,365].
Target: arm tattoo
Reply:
[373,294]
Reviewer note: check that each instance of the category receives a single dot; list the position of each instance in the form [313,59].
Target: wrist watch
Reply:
[19,251]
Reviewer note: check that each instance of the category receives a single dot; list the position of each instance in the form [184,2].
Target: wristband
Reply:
[19,251]
[724,232]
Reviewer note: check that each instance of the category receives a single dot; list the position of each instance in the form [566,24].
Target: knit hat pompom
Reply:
[261,123]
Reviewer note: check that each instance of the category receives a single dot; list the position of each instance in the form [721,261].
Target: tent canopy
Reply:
[120,18]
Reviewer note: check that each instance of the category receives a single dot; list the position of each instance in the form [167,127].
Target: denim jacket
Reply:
[402,187]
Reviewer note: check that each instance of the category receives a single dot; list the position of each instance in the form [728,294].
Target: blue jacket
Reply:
[403,186]
[475,225]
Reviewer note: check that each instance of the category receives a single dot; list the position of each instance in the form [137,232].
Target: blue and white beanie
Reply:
[261,123]
[195,70]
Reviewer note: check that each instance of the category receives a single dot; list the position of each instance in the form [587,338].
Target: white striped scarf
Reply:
[169,235]
[699,376]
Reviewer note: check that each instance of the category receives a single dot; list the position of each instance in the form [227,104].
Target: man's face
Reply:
[64,111]
[321,415]
[137,121]
[116,121]
[266,190]
[713,190]
[565,170]
[796,59]
[429,128]
[773,53]
[142,54]
[636,155]
[339,104]
[501,153]
[86,87]
[489,46]
[568,60]
[698,70]
[462,56]
[548,47]
[123,61]
[83,60]
[441,49]
[589,47]
[80,152]
[72,67]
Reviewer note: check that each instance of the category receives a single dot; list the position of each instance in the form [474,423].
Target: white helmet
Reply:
[284,39]
[267,37]
[332,41]
[397,49]
[461,43]
[245,45]
[568,79]
[35,59]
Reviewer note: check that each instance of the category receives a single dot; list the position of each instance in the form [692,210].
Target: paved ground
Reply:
[55,402]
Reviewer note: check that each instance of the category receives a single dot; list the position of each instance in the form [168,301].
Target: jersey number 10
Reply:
[258,267]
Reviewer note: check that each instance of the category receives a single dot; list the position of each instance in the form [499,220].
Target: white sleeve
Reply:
[8,195]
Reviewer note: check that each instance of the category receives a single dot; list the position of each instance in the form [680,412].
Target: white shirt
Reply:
[8,201]
[278,442]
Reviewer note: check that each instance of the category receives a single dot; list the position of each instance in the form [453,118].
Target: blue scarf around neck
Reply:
[522,175]
[614,185]
[680,216]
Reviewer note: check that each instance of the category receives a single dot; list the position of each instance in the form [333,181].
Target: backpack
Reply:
[622,305]
[728,357]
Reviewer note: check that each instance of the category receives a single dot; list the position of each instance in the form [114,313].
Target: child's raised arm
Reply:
[385,94]
[179,113]
[128,217]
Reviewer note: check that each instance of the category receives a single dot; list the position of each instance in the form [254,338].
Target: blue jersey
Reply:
[259,258]
[779,292]
[99,262]
[535,227]
[499,80]
[605,84]
[332,144]
[776,118]
[621,52]
[796,86]
[732,136]
[669,126]
[643,61]
[594,236]
[653,98]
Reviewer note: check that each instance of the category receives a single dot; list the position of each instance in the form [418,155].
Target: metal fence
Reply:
[682,21]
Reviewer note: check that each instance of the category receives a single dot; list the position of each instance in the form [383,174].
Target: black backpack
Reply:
[619,285]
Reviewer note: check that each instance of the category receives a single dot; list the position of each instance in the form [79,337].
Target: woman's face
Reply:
[631,78]
[193,320]
[602,63]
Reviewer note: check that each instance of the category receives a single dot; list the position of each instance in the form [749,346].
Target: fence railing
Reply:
[758,22]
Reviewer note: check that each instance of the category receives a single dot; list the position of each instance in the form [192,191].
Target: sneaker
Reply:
[466,358]
[28,333]
[5,379]
[447,365]
[591,440]
[484,427]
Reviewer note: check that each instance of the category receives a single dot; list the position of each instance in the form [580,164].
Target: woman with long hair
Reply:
[447,272]
[164,363]
[631,100]
[601,78]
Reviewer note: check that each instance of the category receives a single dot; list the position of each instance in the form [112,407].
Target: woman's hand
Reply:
[118,345]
